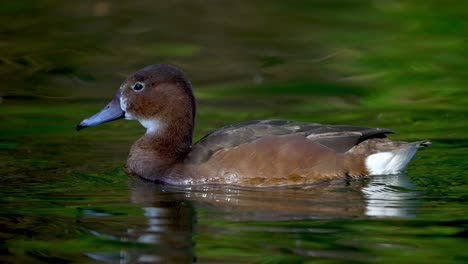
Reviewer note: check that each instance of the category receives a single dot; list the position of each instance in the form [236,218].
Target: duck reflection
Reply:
[170,215]
[163,234]
[170,220]
[390,196]
[378,196]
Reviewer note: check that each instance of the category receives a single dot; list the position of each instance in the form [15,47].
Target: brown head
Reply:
[155,95]
[160,97]
[158,92]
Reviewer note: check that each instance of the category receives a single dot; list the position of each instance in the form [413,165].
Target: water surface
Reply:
[396,64]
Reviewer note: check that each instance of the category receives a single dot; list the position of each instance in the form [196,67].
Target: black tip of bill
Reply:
[79,127]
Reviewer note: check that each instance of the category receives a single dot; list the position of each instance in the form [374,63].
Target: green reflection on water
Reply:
[398,64]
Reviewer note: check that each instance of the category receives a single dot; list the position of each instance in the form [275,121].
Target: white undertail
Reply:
[390,162]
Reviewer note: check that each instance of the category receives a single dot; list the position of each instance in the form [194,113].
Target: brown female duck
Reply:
[255,153]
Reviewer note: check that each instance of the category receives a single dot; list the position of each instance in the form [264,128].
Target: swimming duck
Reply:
[257,153]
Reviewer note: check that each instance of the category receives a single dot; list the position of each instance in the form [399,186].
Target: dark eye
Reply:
[138,86]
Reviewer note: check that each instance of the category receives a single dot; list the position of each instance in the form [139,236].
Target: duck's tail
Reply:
[395,160]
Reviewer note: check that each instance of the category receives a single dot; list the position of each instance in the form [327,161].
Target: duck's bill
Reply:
[111,112]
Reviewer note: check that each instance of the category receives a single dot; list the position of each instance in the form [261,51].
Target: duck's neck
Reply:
[162,148]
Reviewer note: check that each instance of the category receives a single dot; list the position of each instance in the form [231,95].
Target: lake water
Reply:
[395,64]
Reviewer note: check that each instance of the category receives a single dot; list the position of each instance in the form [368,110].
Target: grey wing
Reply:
[338,137]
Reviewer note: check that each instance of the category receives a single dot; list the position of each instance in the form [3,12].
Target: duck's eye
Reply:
[137,87]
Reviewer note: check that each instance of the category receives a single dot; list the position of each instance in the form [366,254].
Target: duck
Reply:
[258,153]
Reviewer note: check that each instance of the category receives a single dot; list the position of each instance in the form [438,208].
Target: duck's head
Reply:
[156,96]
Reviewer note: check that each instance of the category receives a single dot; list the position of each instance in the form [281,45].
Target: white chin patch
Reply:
[128,116]
[123,106]
[123,103]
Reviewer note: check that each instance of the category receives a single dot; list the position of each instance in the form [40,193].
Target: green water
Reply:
[396,64]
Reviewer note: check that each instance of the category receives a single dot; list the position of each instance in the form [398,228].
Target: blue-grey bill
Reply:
[111,112]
